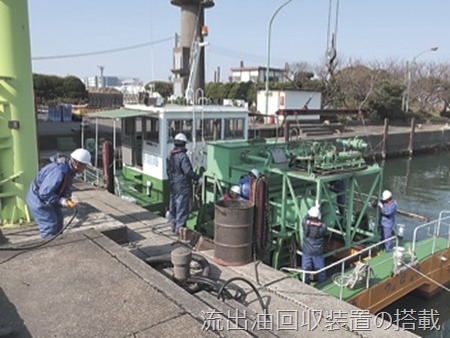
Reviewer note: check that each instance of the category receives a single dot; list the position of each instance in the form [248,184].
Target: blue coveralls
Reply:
[181,174]
[387,221]
[53,182]
[312,249]
[246,185]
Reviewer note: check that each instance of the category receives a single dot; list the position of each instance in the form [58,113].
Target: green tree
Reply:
[225,90]
[74,90]
[251,94]
[51,89]
[387,102]
[213,90]
[165,89]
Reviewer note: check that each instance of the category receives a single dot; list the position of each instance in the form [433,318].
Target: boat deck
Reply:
[382,266]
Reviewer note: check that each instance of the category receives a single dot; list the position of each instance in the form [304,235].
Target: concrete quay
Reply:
[92,282]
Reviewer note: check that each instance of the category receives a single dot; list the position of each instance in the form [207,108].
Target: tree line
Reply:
[51,89]
[377,87]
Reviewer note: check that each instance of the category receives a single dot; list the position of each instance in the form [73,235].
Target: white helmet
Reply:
[255,172]
[236,189]
[81,155]
[314,212]
[181,137]
[386,195]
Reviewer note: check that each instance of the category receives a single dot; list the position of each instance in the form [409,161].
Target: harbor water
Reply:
[421,185]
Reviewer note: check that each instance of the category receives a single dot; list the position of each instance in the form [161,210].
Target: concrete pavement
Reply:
[83,284]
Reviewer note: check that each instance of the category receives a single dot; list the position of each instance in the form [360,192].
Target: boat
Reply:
[295,175]
[147,134]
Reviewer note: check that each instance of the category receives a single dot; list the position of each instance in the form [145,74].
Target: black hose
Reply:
[23,249]
[214,283]
[31,247]
[258,295]
[167,260]
[204,280]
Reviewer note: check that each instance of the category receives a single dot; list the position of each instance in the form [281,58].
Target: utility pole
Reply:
[102,68]
[269,38]
[408,75]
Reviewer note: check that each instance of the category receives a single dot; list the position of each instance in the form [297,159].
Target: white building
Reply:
[257,74]
[289,99]
[101,81]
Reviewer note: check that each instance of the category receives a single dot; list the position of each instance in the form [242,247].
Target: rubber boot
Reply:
[3,239]
[6,331]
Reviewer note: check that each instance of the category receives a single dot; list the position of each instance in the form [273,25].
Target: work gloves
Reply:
[67,202]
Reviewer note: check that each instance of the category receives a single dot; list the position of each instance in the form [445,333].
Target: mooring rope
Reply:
[425,276]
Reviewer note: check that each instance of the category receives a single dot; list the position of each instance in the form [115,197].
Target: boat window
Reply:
[208,129]
[138,125]
[179,126]
[128,126]
[234,128]
[151,130]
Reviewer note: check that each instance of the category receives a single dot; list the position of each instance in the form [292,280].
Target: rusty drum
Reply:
[233,232]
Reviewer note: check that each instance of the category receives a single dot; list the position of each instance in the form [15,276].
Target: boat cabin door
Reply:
[132,141]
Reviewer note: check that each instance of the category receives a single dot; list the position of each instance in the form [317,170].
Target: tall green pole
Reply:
[18,146]
[269,40]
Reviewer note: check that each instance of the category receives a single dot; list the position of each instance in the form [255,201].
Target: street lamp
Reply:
[409,66]
[268,52]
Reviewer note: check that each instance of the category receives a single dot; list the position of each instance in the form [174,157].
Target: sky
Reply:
[367,30]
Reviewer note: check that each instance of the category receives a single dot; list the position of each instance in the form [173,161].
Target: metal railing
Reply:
[94,176]
[343,264]
[436,231]
[436,226]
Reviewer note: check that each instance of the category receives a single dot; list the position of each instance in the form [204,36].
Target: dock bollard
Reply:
[181,260]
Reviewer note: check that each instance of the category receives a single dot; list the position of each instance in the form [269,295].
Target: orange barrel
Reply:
[233,232]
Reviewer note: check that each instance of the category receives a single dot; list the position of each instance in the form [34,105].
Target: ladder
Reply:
[5,143]
[189,92]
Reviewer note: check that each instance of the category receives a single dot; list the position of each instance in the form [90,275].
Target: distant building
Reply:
[289,99]
[132,90]
[102,81]
[257,74]
[110,81]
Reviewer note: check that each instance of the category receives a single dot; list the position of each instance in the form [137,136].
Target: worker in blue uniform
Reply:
[247,184]
[312,247]
[181,175]
[52,189]
[388,209]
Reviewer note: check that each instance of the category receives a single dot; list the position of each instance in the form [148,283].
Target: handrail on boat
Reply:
[436,230]
[93,175]
[443,215]
[343,261]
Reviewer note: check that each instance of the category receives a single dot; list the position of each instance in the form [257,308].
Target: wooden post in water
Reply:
[385,136]
[411,136]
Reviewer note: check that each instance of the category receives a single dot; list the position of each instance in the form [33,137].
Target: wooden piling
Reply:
[385,136]
[411,136]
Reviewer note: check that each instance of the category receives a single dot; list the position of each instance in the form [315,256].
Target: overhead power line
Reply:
[239,55]
[107,51]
